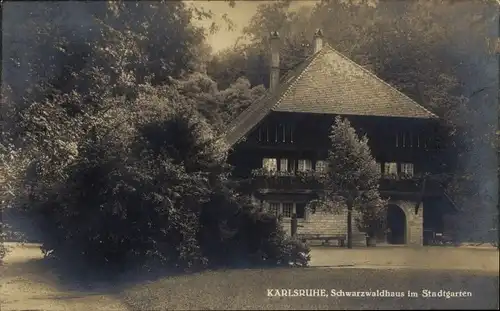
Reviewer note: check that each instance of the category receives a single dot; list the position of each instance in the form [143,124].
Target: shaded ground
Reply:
[33,284]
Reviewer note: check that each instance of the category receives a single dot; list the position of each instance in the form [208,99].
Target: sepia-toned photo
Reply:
[250,155]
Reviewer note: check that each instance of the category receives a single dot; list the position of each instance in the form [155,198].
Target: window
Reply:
[416,140]
[300,209]
[407,169]
[404,139]
[270,164]
[408,140]
[274,208]
[321,166]
[263,134]
[283,165]
[390,168]
[288,209]
[288,133]
[280,133]
[304,165]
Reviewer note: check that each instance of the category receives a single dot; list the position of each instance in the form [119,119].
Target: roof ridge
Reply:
[327,45]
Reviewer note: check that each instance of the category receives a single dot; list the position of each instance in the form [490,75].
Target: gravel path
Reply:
[26,283]
[441,258]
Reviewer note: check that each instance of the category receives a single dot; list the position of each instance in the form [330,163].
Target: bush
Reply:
[249,237]
[162,197]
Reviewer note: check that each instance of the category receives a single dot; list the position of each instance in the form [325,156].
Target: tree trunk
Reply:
[349,225]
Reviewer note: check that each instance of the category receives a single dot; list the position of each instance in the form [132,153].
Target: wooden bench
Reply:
[322,237]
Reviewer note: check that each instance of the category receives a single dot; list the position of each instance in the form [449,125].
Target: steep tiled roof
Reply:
[329,83]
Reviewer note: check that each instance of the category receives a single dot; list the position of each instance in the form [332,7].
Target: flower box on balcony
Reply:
[286,180]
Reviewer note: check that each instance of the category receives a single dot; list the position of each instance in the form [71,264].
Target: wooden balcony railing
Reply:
[262,179]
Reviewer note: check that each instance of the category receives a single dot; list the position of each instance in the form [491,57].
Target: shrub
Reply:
[157,194]
[236,232]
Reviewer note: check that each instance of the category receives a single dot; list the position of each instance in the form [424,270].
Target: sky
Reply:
[240,15]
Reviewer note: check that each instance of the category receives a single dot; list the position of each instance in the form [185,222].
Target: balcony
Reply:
[311,181]
[276,180]
[409,184]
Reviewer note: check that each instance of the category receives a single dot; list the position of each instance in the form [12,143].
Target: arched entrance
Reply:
[396,225]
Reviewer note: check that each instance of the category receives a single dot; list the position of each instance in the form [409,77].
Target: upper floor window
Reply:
[280,133]
[263,134]
[398,169]
[321,166]
[270,164]
[405,139]
[304,165]
[390,168]
[276,132]
[283,165]
[284,133]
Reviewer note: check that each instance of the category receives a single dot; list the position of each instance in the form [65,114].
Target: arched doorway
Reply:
[396,225]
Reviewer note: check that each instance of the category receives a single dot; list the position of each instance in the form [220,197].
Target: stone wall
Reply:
[328,224]
[336,224]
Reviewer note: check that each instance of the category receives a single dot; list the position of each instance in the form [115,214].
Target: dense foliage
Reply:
[110,139]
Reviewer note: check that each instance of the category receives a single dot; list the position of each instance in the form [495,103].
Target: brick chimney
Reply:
[318,41]
[274,76]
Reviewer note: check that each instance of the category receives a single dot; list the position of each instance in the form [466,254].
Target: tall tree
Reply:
[352,180]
